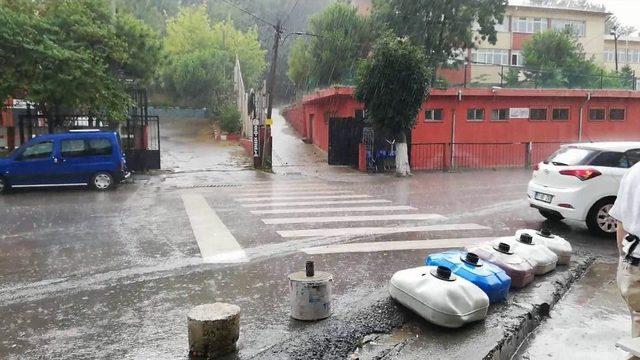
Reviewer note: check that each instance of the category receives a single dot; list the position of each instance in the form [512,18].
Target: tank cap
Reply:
[545,233]
[442,273]
[504,248]
[471,259]
[526,239]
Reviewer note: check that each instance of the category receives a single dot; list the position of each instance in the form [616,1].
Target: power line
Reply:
[249,13]
[291,11]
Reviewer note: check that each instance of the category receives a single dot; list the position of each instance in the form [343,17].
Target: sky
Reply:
[627,11]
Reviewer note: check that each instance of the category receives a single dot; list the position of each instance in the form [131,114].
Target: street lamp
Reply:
[614,32]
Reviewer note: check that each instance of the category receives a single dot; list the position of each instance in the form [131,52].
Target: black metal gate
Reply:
[345,135]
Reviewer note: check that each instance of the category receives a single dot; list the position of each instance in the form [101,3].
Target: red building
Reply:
[479,121]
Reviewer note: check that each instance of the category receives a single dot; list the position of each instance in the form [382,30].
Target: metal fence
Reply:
[518,76]
[460,156]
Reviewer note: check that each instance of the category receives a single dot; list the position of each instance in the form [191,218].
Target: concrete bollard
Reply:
[310,294]
[213,329]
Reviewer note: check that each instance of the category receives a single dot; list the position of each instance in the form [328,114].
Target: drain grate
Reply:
[198,186]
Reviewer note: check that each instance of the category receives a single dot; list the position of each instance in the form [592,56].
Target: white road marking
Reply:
[314,203]
[280,185]
[334,209]
[357,231]
[317,197]
[366,247]
[216,243]
[333,219]
[297,192]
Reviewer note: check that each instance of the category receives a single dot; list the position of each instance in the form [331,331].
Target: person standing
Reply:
[626,211]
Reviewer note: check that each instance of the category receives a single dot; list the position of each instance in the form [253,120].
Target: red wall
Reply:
[512,132]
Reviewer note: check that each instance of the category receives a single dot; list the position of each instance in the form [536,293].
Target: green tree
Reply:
[511,78]
[200,58]
[441,27]
[556,59]
[73,56]
[300,63]
[627,77]
[340,38]
[392,83]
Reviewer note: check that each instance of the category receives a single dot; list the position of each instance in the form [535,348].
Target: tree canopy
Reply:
[442,27]
[200,58]
[557,59]
[392,83]
[340,38]
[73,55]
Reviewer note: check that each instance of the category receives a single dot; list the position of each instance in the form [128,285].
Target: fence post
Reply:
[452,150]
[444,157]
[528,148]
[601,79]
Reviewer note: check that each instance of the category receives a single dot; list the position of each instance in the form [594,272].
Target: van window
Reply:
[38,151]
[73,148]
[98,147]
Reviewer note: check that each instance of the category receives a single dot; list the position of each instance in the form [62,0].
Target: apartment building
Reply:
[521,22]
[489,61]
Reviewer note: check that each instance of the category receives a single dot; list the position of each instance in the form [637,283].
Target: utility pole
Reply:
[268,144]
[614,32]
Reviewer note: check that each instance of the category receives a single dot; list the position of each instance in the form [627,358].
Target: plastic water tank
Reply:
[519,270]
[491,279]
[539,256]
[439,296]
[559,245]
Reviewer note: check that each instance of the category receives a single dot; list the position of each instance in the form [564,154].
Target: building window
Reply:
[516,58]
[578,28]
[538,114]
[475,114]
[596,114]
[433,115]
[560,114]
[499,114]
[529,25]
[490,56]
[617,114]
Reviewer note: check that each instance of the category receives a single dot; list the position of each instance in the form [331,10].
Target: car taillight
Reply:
[582,174]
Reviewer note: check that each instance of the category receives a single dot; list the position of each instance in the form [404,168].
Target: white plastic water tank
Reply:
[539,256]
[559,245]
[439,296]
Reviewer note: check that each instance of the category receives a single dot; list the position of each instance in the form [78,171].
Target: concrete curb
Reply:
[529,321]
[506,327]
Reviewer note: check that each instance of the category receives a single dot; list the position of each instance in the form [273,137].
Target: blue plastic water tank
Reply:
[485,275]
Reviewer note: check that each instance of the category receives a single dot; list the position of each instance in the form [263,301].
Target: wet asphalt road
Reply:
[112,275]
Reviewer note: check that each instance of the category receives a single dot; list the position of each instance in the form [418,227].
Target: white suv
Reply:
[580,182]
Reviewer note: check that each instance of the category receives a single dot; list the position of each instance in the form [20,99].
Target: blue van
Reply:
[84,157]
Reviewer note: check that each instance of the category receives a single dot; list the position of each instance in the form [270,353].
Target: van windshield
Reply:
[570,156]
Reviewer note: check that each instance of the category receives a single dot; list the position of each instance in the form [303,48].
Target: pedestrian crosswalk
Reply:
[302,210]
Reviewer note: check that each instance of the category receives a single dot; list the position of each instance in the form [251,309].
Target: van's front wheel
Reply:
[102,181]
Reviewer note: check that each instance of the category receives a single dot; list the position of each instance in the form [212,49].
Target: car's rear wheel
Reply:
[4,186]
[551,215]
[598,220]
[102,181]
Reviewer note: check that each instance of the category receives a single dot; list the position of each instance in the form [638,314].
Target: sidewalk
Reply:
[293,156]
[585,324]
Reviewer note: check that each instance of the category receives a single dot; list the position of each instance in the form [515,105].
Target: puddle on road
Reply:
[585,324]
